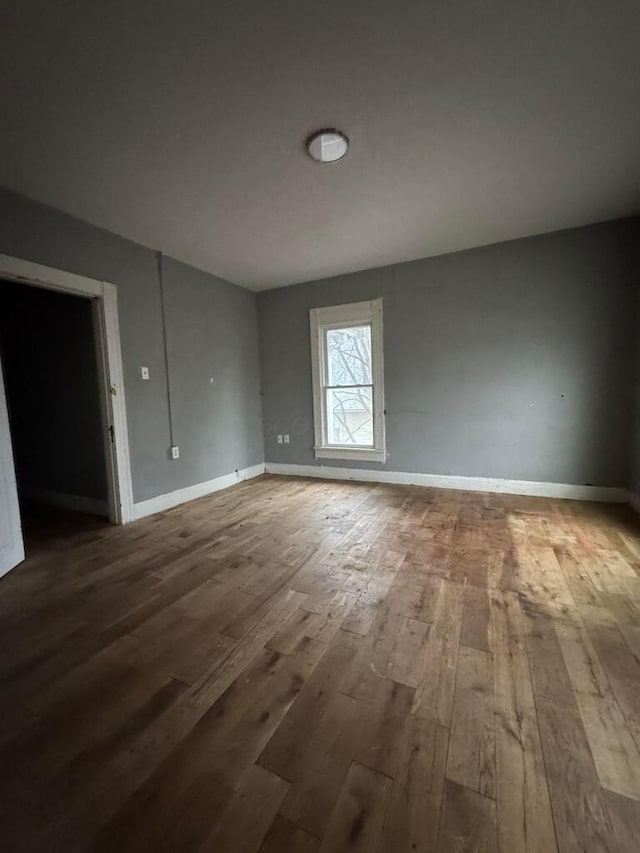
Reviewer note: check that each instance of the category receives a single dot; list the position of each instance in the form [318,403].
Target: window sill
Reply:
[366,454]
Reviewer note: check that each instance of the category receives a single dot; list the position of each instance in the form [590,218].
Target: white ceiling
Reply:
[181,125]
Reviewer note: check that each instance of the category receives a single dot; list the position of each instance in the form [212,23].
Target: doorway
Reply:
[49,359]
[65,396]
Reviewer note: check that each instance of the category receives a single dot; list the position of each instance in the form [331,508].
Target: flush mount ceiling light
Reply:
[327,146]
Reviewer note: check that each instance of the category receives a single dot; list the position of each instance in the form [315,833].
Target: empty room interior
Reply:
[320,427]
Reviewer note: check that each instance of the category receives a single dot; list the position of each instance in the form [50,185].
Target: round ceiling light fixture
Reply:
[327,146]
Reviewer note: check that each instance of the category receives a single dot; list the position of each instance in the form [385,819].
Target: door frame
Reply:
[104,300]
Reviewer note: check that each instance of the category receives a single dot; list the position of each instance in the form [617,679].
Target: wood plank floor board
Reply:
[434,696]
[472,760]
[625,818]
[468,821]
[214,756]
[476,618]
[382,727]
[526,821]
[549,673]
[413,812]
[420,600]
[580,811]
[301,623]
[631,634]
[358,816]
[286,836]
[293,665]
[213,684]
[625,610]
[577,577]
[288,749]
[404,664]
[71,810]
[320,765]
[622,670]
[251,811]
[614,750]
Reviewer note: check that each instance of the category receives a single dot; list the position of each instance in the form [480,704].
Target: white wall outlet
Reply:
[144,372]
[175,452]
[279,439]
[286,438]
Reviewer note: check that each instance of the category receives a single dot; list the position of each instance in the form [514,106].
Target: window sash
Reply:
[323,331]
[328,419]
[333,327]
[346,387]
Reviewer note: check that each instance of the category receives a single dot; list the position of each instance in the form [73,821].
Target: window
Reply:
[348,393]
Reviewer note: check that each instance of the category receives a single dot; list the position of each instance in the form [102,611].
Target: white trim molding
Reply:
[568,491]
[362,454]
[192,493]
[322,320]
[51,278]
[114,405]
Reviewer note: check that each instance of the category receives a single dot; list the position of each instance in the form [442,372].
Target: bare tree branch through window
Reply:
[350,386]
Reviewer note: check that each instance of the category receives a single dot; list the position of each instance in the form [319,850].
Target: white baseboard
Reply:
[191,493]
[606,494]
[75,503]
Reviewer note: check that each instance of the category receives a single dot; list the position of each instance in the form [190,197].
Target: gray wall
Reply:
[51,377]
[212,334]
[514,360]
[216,426]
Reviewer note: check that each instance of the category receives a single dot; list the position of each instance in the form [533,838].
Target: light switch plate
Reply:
[175,452]
[279,439]
[286,438]
[144,372]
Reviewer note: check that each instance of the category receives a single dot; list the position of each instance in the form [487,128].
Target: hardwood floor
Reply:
[296,666]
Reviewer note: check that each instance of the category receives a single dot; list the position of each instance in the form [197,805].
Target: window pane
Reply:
[350,416]
[349,356]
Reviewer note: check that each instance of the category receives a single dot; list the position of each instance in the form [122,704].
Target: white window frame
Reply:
[340,317]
